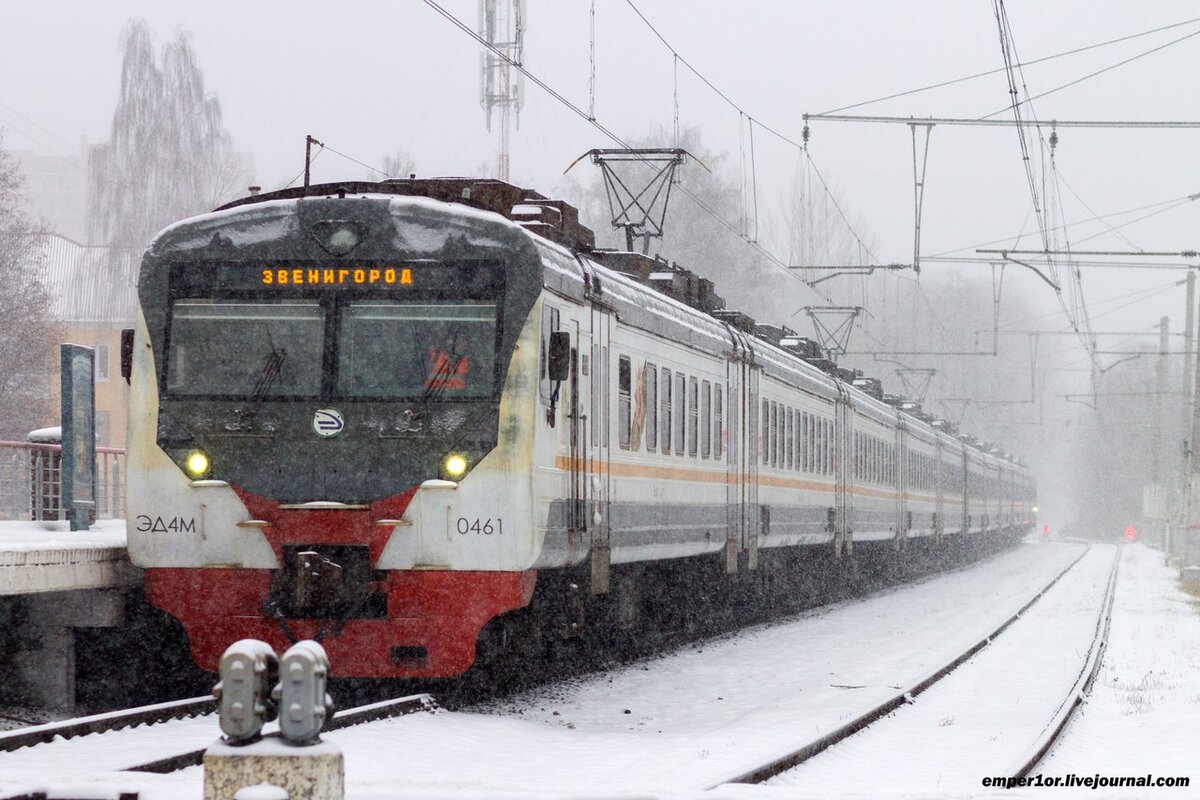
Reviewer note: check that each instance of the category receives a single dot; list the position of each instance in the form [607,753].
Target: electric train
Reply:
[395,416]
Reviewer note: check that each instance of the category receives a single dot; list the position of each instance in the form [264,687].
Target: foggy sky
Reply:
[371,77]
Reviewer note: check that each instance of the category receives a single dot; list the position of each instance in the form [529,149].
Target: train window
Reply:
[417,349]
[801,465]
[549,325]
[651,398]
[718,420]
[624,398]
[595,388]
[774,434]
[805,444]
[765,443]
[812,438]
[680,412]
[705,419]
[247,349]
[666,410]
[789,439]
[607,407]
[829,447]
[693,432]
[815,444]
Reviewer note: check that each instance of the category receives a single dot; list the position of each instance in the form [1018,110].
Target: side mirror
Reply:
[126,353]
[558,361]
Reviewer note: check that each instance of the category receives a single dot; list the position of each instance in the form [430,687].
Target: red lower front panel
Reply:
[439,611]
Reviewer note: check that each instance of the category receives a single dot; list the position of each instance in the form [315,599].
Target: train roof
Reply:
[687,300]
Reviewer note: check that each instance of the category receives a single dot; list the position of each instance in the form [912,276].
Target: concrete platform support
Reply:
[37,643]
[314,772]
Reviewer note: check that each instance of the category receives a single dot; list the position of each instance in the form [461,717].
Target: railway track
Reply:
[187,721]
[669,762]
[103,723]
[1032,753]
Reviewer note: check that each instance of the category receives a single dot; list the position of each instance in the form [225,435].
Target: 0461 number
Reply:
[482,527]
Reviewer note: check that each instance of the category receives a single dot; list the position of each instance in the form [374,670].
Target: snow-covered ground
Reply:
[673,725]
[985,717]
[18,536]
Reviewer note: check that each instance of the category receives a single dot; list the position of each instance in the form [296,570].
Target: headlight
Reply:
[196,464]
[455,466]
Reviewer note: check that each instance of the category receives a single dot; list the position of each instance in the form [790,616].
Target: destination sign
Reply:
[298,278]
[338,276]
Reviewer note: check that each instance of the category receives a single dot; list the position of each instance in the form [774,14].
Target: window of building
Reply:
[102,361]
[705,419]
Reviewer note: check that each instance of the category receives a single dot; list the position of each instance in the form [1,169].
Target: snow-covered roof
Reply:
[89,283]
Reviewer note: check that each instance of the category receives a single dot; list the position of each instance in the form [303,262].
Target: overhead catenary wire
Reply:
[1109,68]
[729,225]
[753,121]
[1161,205]
[1032,62]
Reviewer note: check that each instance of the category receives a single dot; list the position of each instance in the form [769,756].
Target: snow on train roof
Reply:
[266,221]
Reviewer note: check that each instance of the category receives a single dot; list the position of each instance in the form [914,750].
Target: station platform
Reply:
[54,582]
[39,557]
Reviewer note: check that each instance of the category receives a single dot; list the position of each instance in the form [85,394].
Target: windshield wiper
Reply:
[271,369]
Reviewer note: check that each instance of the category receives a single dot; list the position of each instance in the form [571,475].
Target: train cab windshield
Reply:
[414,349]
[332,345]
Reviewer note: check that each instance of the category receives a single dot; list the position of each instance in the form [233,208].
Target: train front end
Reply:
[330,435]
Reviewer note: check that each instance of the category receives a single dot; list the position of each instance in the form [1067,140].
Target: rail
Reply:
[42,735]
[1083,684]
[31,482]
[802,753]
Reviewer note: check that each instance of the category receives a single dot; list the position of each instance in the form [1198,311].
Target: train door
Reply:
[752,514]
[576,434]
[902,483]
[939,487]
[843,473]
[597,458]
[966,493]
[736,455]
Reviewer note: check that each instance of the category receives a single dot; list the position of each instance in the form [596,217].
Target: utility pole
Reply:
[1160,384]
[1185,492]
[1188,533]
[502,26]
[309,141]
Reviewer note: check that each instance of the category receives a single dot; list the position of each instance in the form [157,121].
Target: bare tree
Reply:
[168,156]
[396,164]
[29,334]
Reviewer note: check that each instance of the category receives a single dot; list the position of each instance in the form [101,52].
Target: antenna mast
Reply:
[502,25]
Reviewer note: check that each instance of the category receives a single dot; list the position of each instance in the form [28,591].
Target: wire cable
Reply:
[1030,63]
[732,227]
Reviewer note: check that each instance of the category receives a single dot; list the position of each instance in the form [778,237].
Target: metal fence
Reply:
[31,481]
